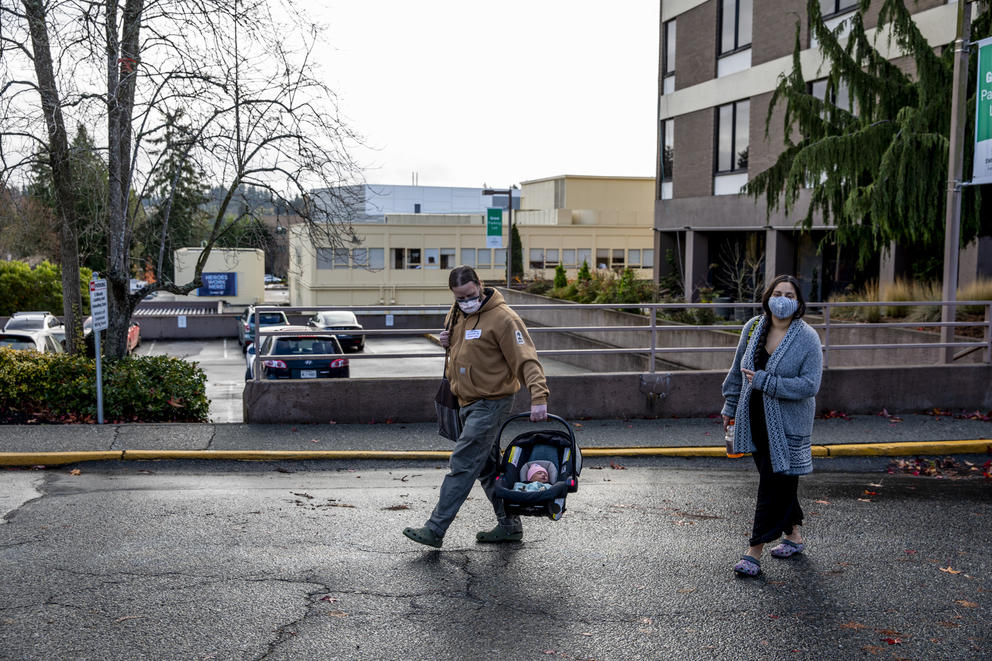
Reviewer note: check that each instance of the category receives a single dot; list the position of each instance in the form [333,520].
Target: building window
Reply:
[831,7]
[537,258]
[840,97]
[568,258]
[499,258]
[668,59]
[735,25]
[618,259]
[448,258]
[341,258]
[359,258]
[377,258]
[406,258]
[551,258]
[732,121]
[667,148]
[484,258]
[647,259]
[634,258]
[432,257]
[602,258]
[468,257]
[325,258]
[584,256]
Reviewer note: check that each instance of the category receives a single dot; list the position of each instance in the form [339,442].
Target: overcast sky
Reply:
[466,92]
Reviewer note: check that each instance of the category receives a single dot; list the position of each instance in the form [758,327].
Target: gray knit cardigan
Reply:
[788,383]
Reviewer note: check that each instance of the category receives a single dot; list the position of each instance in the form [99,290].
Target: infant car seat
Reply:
[554,446]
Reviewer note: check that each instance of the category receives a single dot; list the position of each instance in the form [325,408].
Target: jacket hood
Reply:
[491,300]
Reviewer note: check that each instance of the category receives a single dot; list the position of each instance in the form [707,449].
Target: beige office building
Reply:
[404,258]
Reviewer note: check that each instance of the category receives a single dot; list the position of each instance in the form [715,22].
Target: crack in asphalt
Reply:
[283,633]
[213,434]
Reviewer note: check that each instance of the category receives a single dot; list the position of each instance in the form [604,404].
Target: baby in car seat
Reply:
[535,477]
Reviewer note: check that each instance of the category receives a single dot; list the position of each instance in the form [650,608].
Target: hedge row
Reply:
[61,388]
[38,288]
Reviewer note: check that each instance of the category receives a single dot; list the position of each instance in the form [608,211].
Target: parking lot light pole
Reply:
[509,226]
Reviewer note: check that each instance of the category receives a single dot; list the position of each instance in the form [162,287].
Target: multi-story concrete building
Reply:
[405,251]
[720,61]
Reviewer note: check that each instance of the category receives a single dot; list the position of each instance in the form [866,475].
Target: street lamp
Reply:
[509,225]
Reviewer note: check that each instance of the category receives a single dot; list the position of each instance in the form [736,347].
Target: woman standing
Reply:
[770,390]
[491,355]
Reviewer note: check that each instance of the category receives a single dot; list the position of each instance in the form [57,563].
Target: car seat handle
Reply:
[551,416]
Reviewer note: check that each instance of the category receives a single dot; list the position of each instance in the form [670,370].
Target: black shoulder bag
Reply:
[449,423]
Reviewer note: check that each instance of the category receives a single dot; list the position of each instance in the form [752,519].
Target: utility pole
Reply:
[955,171]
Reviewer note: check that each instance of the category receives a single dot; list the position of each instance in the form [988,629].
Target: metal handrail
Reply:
[653,326]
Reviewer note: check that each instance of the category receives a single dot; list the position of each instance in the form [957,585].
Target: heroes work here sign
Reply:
[218,284]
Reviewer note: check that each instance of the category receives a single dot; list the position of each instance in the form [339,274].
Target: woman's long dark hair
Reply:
[779,279]
[462,275]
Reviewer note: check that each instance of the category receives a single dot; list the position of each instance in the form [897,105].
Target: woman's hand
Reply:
[538,412]
[445,338]
[726,422]
[748,374]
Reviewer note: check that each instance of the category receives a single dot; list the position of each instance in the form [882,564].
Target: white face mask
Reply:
[470,306]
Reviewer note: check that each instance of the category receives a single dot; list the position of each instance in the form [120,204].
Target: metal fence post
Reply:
[988,333]
[654,338]
[826,335]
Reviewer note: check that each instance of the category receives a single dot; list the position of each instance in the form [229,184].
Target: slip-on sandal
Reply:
[787,549]
[747,566]
[498,535]
[424,536]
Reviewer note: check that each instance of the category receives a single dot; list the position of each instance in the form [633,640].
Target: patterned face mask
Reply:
[783,307]
[470,306]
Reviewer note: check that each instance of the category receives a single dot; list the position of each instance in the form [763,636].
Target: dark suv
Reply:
[246,324]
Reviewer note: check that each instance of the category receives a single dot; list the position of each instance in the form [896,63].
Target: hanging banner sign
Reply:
[982,170]
[494,228]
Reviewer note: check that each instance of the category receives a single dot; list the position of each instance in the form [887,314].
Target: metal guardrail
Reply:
[653,327]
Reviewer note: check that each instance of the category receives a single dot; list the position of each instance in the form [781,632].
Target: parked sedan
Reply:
[34,321]
[291,356]
[345,326]
[31,340]
[246,324]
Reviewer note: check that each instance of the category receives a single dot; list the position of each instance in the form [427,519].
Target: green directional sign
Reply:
[982,168]
[494,228]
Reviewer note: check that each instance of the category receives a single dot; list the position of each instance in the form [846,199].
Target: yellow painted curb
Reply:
[273,455]
[55,458]
[975,446]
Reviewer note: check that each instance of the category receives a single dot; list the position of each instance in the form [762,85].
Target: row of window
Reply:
[481,258]
[606,258]
[735,18]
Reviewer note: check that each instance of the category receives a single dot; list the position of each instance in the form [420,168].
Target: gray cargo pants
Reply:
[476,455]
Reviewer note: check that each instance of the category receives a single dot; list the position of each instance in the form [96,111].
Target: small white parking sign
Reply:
[98,304]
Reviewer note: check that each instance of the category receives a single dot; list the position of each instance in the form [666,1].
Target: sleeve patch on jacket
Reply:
[520,337]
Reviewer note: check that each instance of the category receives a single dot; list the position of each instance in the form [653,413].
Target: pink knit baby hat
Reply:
[534,469]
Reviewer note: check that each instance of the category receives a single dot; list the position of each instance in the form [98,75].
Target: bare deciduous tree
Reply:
[256,114]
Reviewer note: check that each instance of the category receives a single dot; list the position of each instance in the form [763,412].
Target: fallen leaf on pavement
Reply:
[966,603]
[616,466]
[853,625]
[863,500]
[330,599]
[314,440]
[870,493]
[948,570]
[337,614]
[75,471]
[949,625]
[893,641]
[397,507]
[822,502]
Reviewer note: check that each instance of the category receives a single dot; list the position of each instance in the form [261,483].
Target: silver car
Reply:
[31,340]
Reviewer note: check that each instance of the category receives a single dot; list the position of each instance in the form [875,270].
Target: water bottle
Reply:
[729,438]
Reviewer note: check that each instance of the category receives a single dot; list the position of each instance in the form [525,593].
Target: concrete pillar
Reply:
[780,254]
[697,262]
[975,261]
[892,265]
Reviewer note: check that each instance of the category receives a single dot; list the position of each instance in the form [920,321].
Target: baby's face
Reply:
[540,476]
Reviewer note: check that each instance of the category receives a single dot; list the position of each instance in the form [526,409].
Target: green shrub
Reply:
[38,288]
[59,388]
[538,286]
[584,274]
[560,279]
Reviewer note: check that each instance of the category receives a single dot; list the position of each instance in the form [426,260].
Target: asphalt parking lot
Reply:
[224,364]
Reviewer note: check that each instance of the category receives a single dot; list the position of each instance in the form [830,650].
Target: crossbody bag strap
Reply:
[450,327]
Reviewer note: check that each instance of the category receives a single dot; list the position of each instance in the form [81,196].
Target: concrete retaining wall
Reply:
[622,395]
